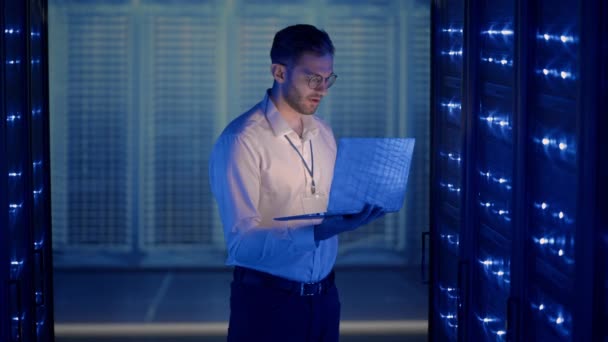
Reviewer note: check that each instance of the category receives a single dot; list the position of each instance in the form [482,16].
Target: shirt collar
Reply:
[279,125]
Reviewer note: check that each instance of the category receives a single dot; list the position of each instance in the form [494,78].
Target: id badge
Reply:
[314,203]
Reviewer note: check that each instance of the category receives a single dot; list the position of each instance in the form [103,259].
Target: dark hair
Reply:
[292,42]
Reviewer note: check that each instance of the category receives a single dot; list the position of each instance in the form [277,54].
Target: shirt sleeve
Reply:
[234,172]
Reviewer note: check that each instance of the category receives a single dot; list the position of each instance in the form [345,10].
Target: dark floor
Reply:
[377,305]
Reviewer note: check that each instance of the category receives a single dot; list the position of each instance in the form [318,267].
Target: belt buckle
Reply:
[315,288]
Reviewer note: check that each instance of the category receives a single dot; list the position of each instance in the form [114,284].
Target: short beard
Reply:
[294,100]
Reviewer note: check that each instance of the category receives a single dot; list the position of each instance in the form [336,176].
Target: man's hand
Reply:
[334,225]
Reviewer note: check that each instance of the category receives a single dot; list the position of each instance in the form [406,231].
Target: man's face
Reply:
[298,95]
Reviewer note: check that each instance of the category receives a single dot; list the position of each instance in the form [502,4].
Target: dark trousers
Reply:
[260,311]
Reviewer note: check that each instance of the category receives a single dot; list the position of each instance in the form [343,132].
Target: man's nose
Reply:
[322,87]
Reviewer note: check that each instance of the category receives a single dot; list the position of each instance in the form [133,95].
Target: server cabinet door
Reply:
[26,312]
[552,171]
[446,178]
[493,170]
[39,191]
[18,172]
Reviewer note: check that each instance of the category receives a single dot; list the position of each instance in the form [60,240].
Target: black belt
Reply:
[253,277]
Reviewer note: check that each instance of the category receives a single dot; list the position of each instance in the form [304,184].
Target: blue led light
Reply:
[563,74]
[447,289]
[554,314]
[37,164]
[36,111]
[12,31]
[486,262]
[544,241]
[559,215]
[498,180]
[504,61]
[34,34]
[35,61]
[490,207]
[452,325]
[449,305]
[486,319]
[451,156]
[560,145]
[451,105]
[37,192]
[14,174]
[452,30]
[452,53]
[503,32]
[450,292]
[496,270]
[12,117]
[13,61]
[450,187]
[555,246]
[451,109]
[564,38]
[495,120]
[450,319]
[492,325]
[450,238]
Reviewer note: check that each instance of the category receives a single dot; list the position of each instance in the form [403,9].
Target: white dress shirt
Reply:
[256,175]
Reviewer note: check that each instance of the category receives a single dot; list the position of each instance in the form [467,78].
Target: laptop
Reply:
[367,170]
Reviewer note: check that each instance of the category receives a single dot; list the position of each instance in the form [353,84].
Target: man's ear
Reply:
[279,72]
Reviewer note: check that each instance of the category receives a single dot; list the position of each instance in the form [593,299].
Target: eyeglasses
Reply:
[315,80]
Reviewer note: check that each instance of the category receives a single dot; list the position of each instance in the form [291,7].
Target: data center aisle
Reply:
[191,305]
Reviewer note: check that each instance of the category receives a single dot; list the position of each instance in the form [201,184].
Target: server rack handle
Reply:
[423,267]
[17,284]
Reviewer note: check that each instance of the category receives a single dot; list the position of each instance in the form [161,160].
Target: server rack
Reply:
[26,301]
[447,144]
[529,263]
[491,80]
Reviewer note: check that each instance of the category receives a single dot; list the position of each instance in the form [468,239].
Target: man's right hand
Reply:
[334,225]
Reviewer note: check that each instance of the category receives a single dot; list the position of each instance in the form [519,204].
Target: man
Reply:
[277,159]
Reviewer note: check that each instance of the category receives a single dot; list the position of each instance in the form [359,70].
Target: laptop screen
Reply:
[370,170]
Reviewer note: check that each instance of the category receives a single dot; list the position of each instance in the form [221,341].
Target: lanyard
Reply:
[310,169]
